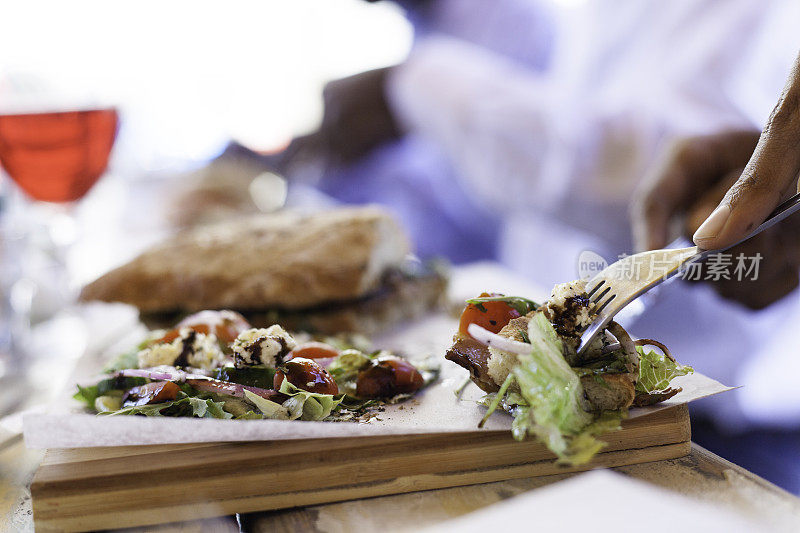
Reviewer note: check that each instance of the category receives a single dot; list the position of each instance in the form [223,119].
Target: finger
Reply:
[769,177]
[685,171]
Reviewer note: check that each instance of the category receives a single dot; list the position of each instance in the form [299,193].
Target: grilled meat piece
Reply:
[472,355]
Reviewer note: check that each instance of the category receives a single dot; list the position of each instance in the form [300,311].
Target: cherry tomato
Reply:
[313,350]
[494,318]
[306,374]
[226,325]
[156,392]
[387,378]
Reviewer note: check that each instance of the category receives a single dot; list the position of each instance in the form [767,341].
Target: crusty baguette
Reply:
[287,261]
[400,298]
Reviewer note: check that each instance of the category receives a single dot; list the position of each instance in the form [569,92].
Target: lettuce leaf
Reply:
[351,403]
[236,406]
[301,405]
[345,367]
[553,393]
[522,305]
[268,407]
[249,415]
[306,405]
[88,395]
[185,406]
[656,370]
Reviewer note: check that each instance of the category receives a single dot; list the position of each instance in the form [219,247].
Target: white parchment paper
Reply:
[435,410]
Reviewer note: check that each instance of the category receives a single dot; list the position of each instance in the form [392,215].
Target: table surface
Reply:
[701,475]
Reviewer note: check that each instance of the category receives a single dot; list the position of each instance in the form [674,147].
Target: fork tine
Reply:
[600,296]
[589,334]
[610,290]
[604,304]
[601,302]
[596,284]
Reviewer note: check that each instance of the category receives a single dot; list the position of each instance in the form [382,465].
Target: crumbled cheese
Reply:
[568,311]
[262,346]
[203,352]
[563,292]
[160,354]
[206,352]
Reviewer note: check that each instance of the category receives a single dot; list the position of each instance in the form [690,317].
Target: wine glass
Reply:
[57,156]
[54,158]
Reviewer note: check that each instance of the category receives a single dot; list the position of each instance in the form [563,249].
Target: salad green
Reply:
[527,371]
[656,370]
[241,385]
[549,402]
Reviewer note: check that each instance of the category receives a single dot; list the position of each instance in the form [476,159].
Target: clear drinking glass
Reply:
[54,159]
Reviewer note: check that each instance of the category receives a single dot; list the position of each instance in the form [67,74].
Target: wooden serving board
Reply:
[99,488]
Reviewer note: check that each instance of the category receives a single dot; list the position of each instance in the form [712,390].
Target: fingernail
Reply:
[713,224]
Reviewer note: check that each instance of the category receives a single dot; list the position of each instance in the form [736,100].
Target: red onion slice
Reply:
[227,387]
[156,375]
[493,340]
[199,382]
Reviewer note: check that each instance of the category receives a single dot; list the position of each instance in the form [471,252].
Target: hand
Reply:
[687,184]
[356,119]
[687,170]
[769,177]
[779,247]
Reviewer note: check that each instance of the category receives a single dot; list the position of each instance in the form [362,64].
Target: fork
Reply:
[622,282]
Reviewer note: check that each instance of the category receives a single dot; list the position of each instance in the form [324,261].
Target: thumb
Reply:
[769,177]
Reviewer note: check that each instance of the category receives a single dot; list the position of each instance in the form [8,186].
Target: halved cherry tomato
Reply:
[306,374]
[173,334]
[156,392]
[388,378]
[494,318]
[226,325]
[313,350]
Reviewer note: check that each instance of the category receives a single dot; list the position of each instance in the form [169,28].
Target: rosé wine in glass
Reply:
[57,156]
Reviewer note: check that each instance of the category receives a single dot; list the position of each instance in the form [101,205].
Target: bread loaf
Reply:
[286,260]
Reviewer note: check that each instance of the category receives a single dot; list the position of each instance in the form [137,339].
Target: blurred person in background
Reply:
[545,155]
[361,153]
